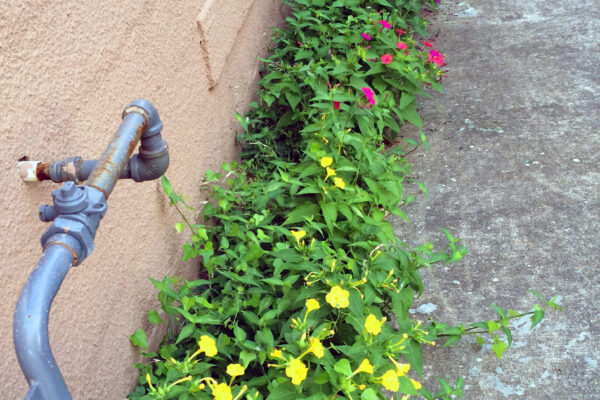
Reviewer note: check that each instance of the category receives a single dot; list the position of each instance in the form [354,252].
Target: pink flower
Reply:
[400,31]
[427,44]
[436,57]
[336,105]
[401,46]
[386,58]
[385,24]
[365,36]
[369,95]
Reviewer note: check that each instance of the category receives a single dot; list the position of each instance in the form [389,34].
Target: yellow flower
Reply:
[297,371]
[207,345]
[401,369]
[330,172]
[416,384]
[390,380]
[149,381]
[338,297]
[276,353]
[222,392]
[339,182]
[316,347]
[235,370]
[312,304]
[365,366]
[326,161]
[298,235]
[373,325]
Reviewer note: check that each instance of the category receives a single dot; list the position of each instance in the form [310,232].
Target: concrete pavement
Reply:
[514,171]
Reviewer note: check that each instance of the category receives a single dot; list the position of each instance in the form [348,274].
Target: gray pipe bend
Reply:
[30,328]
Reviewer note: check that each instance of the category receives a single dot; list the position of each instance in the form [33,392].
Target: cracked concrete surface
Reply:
[514,171]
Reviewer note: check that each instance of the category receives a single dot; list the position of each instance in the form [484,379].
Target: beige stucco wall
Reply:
[68,68]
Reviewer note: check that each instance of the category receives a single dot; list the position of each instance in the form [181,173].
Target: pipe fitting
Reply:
[145,108]
[76,213]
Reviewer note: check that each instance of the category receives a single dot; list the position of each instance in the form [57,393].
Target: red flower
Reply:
[401,46]
[400,32]
[427,44]
[385,24]
[436,57]
[386,58]
[336,105]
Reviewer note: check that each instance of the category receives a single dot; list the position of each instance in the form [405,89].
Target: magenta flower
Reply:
[385,24]
[369,95]
[386,58]
[436,57]
[401,46]
[365,36]
[336,105]
[400,31]
[427,44]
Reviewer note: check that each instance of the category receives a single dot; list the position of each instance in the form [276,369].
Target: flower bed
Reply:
[301,269]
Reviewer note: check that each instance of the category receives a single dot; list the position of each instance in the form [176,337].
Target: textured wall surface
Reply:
[68,70]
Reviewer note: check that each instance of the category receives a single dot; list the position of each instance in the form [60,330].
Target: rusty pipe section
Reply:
[151,161]
[119,151]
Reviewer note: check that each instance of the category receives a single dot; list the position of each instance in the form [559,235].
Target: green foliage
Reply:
[300,267]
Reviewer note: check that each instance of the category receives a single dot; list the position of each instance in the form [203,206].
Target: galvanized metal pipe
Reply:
[30,328]
[114,160]
[76,212]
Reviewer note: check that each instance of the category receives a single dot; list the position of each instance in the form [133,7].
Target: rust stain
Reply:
[100,189]
[41,171]
[65,245]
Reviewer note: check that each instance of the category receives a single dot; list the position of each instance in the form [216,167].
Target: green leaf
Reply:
[445,388]
[452,340]
[499,346]
[499,310]
[537,317]
[185,332]
[239,333]
[493,326]
[330,214]
[480,340]
[322,378]
[406,100]
[179,227]
[343,367]
[369,394]
[415,356]
[154,318]
[304,210]
[243,121]
[292,98]
[139,339]
[166,185]
[411,115]
[247,357]
[538,294]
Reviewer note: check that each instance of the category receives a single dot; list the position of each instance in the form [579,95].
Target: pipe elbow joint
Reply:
[149,112]
[147,167]
[153,158]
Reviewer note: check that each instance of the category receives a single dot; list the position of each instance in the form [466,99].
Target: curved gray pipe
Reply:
[76,212]
[30,328]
